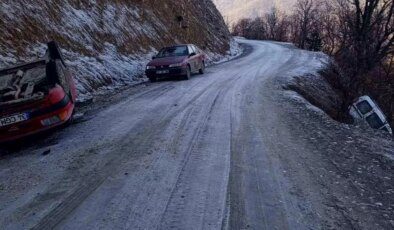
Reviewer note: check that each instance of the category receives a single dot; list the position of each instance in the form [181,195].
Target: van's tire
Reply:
[202,69]
[188,73]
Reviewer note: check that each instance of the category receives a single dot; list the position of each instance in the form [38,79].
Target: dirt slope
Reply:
[103,40]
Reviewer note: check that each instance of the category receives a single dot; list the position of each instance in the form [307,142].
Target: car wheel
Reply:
[153,79]
[202,70]
[188,73]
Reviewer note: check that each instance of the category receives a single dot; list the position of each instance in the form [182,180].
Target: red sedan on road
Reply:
[179,61]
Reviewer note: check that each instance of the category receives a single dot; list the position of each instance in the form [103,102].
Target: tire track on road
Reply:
[176,211]
[90,184]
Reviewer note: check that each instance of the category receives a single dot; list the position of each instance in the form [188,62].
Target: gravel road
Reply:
[224,150]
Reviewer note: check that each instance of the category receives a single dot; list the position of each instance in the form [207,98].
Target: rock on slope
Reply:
[106,42]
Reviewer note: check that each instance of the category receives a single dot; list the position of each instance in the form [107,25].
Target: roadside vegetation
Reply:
[358,34]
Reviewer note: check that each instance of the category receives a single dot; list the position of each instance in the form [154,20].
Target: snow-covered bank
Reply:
[234,52]
[306,83]
[128,70]
[108,43]
[112,70]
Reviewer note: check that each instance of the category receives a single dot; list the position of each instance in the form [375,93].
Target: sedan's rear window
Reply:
[364,107]
[173,51]
[374,121]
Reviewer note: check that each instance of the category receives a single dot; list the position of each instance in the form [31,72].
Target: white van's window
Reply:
[364,107]
[374,121]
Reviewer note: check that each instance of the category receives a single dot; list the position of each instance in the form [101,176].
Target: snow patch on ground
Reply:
[319,62]
[234,52]
[304,84]
[8,58]
[8,11]
[297,98]
[111,67]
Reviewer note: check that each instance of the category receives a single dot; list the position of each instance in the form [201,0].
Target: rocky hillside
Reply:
[106,42]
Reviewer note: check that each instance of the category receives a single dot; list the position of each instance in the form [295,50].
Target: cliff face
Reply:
[106,42]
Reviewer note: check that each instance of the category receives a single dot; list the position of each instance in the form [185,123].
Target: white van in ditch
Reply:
[365,108]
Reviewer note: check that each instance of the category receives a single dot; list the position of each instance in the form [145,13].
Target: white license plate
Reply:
[4,121]
[162,71]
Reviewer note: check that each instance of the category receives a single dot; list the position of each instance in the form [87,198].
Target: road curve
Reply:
[197,154]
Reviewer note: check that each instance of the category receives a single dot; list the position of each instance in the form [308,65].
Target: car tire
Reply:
[202,69]
[153,79]
[188,73]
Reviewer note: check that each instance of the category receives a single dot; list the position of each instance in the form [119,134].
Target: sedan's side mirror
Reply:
[192,54]
[153,57]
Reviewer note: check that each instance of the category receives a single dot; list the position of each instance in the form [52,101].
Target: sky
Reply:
[233,10]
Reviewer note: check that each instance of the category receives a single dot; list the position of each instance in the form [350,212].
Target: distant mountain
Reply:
[234,10]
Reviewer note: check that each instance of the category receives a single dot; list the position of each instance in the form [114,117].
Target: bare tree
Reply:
[276,25]
[258,29]
[305,19]
[361,33]
[272,21]
[273,26]
[329,27]
[368,33]
[242,27]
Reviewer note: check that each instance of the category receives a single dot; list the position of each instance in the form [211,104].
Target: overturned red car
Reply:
[36,96]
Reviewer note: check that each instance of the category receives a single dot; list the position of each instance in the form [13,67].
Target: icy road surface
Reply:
[198,154]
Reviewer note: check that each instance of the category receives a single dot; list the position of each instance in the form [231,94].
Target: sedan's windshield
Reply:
[173,51]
